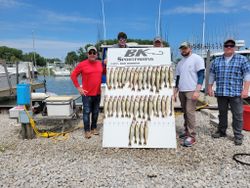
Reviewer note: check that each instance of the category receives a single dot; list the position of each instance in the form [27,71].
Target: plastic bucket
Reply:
[23,94]
[246,117]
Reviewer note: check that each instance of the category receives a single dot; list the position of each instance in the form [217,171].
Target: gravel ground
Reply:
[77,162]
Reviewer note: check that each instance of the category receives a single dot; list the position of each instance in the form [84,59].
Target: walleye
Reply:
[145,133]
[124,74]
[123,106]
[105,106]
[119,79]
[162,76]
[145,107]
[131,132]
[131,78]
[115,78]
[171,76]
[118,106]
[128,73]
[136,133]
[144,79]
[111,78]
[108,78]
[172,106]
[141,103]
[135,79]
[140,78]
[141,131]
[153,74]
[163,106]
[157,79]
[166,76]
[136,106]
[114,105]
[131,106]
[167,106]
[127,106]
[158,106]
[150,107]
[155,104]
[110,107]
[149,73]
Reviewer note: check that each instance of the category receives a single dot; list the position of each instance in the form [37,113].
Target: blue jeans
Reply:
[90,106]
[237,112]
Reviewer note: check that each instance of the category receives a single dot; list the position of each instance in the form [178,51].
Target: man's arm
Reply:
[200,75]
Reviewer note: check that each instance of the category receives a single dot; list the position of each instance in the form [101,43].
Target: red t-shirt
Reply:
[91,73]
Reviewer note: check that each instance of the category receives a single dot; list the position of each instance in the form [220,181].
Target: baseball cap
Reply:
[91,48]
[185,44]
[122,35]
[157,39]
[229,41]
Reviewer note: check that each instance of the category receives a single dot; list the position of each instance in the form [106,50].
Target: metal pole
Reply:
[203,29]
[17,73]
[34,52]
[103,22]
[208,64]
[159,19]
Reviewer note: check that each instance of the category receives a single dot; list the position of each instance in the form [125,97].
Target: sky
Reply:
[61,26]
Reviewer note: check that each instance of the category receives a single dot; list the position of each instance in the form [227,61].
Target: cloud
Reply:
[47,48]
[11,4]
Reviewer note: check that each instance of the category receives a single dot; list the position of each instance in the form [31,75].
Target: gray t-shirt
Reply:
[187,69]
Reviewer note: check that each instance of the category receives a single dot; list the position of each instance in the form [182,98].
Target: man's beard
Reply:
[185,54]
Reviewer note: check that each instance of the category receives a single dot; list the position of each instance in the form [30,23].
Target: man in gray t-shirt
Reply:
[122,39]
[189,79]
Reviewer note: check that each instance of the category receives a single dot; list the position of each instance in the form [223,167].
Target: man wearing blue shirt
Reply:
[231,72]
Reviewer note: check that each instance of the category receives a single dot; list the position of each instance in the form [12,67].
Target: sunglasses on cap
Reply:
[229,46]
[92,52]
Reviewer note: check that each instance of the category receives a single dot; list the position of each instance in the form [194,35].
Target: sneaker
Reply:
[238,141]
[188,141]
[87,134]
[94,132]
[183,135]
[219,134]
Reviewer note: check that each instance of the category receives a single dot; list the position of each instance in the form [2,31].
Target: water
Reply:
[59,85]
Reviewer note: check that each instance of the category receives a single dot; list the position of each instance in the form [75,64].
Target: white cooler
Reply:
[59,105]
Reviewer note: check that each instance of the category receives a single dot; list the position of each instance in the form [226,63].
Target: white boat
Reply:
[61,72]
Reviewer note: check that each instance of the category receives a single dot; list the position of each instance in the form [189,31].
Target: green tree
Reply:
[71,58]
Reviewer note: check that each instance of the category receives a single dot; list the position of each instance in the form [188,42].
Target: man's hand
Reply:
[210,91]
[81,91]
[244,93]
[196,95]
[175,94]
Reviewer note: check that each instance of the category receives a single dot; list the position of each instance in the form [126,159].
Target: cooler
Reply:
[59,105]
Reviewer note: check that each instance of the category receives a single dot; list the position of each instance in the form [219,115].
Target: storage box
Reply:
[14,112]
[23,117]
[59,105]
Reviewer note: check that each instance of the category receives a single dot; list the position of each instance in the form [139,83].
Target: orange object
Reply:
[246,117]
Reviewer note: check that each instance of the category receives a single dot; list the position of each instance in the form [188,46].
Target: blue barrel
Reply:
[23,94]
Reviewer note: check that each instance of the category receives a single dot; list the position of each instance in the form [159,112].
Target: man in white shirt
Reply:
[189,79]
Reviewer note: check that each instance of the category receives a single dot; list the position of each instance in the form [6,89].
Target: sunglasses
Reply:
[228,46]
[92,52]
[122,39]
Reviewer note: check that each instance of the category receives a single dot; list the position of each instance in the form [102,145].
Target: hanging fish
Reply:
[140,78]
[155,105]
[157,79]
[153,79]
[108,78]
[158,106]
[119,80]
[166,76]
[124,74]
[136,133]
[141,131]
[150,107]
[105,106]
[118,106]
[167,106]
[171,77]
[123,106]
[110,107]
[141,103]
[127,109]
[163,106]
[131,132]
[131,78]
[115,78]
[128,73]
[136,106]
[172,106]
[149,73]
[114,106]
[145,133]
[162,76]
[131,106]
[135,80]
[145,107]
[111,78]
[144,78]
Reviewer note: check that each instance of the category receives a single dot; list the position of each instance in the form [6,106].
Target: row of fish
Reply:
[138,106]
[140,78]
[138,132]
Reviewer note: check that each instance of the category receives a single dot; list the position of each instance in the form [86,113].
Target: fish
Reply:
[144,78]
[108,78]
[167,106]
[110,107]
[150,107]
[153,74]
[157,79]
[158,106]
[105,106]
[136,106]
[124,74]
[149,73]
[123,106]
[118,106]
[145,107]
[136,132]
[172,106]
[114,105]
[115,78]
[162,76]
[140,77]
[163,106]
[131,132]
[135,79]
[119,80]
[111,78]
[141,103]
[170,77]
[141,131]
[128,73]
[131,78]
[127,108]
[166,77]
[131,106]
[155,104]
[145,133]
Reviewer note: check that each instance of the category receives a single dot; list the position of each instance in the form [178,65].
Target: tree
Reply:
[81,54]
[71,58]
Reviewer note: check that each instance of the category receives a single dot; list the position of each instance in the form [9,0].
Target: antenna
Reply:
[34,52]
[203,28]
[159,19]
[103,21]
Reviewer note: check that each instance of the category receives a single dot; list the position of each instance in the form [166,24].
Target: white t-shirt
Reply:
[187,69]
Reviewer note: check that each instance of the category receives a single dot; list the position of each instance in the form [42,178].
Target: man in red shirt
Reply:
[91,71]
